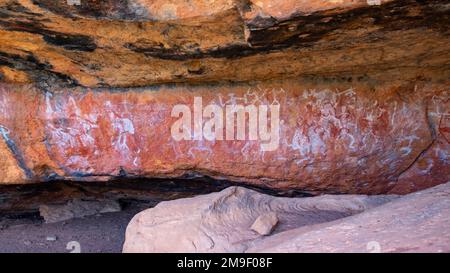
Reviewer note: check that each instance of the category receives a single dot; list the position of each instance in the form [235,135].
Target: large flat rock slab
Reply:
[224,222]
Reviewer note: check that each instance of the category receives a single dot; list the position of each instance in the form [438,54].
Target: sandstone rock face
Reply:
[86,92]
[436,158]
[9,168]
[154,42]
[220,222]
[344,139]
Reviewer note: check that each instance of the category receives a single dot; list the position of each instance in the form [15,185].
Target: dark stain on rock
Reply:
[393,16]
[18,8]
[71,42]
[40,72]
[4,133]
[19,62]
[244,5]
[199,71]
[231,52]
[67,41]
[304,31]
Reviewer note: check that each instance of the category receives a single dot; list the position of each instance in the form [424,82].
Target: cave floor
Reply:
[102,233]
[24,230]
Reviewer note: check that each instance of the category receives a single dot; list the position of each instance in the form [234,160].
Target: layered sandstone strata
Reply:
[87,92]
[138,42]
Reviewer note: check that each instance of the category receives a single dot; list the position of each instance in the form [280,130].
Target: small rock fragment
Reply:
[51,238]
[265,223]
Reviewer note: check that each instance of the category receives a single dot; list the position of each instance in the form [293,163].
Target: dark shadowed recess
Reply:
[24,200]
[22,229]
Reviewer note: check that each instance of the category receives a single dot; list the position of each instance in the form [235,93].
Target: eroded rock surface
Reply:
[337,138]
[221,222]
[77,209]
[86,91]
[131,43]
[417,222]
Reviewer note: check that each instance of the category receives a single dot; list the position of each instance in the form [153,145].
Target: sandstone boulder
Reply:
[417,222]
[220,222]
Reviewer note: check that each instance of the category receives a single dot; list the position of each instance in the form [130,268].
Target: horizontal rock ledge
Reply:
[339,137]
[106,44]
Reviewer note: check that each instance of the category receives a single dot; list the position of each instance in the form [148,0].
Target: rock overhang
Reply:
[61,64]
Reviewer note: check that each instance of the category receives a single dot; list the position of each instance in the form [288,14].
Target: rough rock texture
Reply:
[46,41]
[29,198]
[436,158]
[220,222]
[77,209]
[265,223]
[334,137]
[86,91]
[10,172]
[417,222]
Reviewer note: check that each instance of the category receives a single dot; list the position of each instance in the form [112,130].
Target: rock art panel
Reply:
[9,169]
[341,138]
[431,167]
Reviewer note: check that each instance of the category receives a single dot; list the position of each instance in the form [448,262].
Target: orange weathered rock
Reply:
[86,92]
[435,160]
[335,138]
